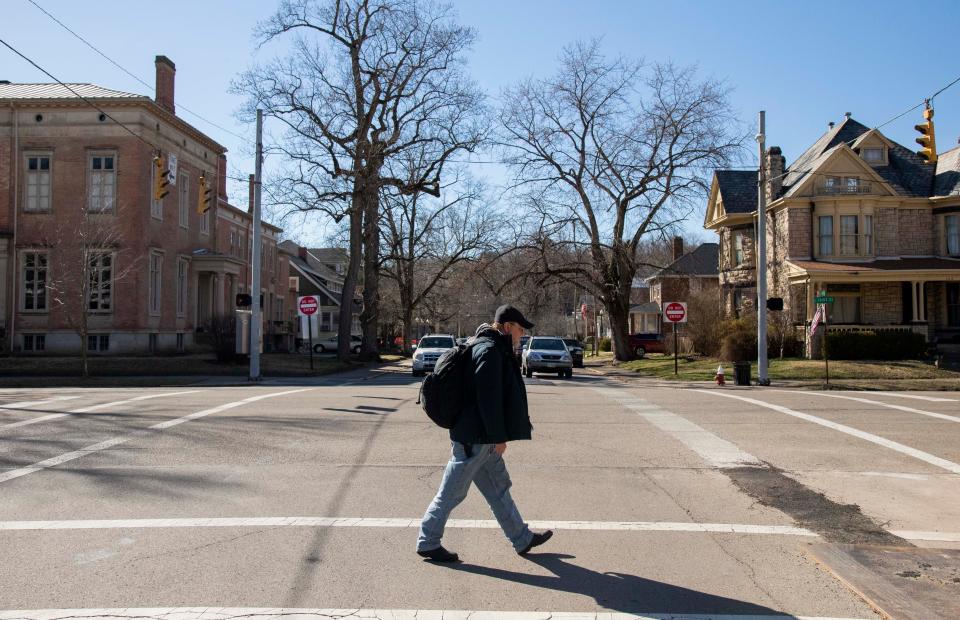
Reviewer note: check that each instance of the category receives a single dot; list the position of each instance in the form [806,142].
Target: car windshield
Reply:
[437,343]
[547,344]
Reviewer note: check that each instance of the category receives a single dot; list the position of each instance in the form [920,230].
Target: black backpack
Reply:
[443,393]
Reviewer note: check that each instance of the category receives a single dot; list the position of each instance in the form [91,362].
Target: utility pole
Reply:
[255,317]
[762,258]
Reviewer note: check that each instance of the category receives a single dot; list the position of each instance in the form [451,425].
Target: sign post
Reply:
[822,299]
[307,306]
[675,312]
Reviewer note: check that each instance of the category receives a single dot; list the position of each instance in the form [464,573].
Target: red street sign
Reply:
[308,305]
[675,312]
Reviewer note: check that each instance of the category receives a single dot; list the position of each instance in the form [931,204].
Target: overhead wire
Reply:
[125,70]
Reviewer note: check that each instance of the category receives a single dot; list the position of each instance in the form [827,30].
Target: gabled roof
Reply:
[947,180]
[738,190]
[57,91]
[906,173]
[315,263]
[703,261]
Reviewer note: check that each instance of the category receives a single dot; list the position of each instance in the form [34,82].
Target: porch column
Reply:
[217,283]
[810,305]
[915,301]
[921,300]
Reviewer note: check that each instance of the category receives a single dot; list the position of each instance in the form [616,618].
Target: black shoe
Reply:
[536,541]
[439,555]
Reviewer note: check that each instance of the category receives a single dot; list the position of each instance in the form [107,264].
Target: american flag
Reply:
[816,320]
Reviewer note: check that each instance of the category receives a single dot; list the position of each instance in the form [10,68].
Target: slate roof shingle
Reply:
[738,189]
[703,261]
[947,180]
[56,91]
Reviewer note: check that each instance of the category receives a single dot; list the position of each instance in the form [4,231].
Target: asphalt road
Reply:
[694,502]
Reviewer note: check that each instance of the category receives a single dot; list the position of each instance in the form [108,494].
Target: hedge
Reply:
[868,345]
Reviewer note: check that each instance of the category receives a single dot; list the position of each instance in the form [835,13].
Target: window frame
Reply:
[183,286]
[881,152]
[92,174]
[22,292]
[38,342]
[90,254]
[39,154]
[738,253]
[183,198]
[100,341]
[847,237]
[821,236]
[947,236]
[155,283]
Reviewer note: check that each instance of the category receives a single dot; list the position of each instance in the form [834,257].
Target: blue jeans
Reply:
[486,469]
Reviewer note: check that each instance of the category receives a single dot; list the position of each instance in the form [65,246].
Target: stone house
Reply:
[857,215]
[690,273]
[320,272]
[76,197]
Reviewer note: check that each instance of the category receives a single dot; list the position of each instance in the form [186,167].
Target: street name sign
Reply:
[675,311]
[823,300]
[308,305]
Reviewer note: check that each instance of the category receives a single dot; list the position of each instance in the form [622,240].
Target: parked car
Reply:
[576,351]
[647,343]
[519,350]
[429,350]
[330,344]
[547,354]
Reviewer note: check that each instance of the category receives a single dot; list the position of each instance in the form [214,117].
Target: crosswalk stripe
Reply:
[932,414]
[372,522]
[116,441]
[92,408]
[286,613]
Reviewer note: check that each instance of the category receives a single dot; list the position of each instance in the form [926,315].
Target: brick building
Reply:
[82,236]
[690,273]
[857,215]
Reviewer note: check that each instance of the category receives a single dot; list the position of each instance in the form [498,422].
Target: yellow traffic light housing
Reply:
[927,139]
[160,178]
[203,200]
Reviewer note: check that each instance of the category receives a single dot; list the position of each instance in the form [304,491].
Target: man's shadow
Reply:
[617,591]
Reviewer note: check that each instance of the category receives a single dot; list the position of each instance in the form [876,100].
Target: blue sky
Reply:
[804,63]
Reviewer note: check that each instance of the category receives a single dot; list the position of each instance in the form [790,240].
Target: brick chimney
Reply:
[302,252]
[677,247]
[222,177]
[166,76]
[251,195]
[775,164]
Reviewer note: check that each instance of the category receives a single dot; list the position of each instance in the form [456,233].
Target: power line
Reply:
[90,103]
[119,66]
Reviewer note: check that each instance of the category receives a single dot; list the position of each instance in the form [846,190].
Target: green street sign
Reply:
[823,300]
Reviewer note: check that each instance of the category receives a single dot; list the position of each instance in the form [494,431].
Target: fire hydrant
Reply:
[719,377]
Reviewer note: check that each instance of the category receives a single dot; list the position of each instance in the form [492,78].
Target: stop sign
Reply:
[308,305]
[675,312]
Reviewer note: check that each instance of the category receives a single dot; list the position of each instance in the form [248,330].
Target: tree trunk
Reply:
[350,280]
[371,272]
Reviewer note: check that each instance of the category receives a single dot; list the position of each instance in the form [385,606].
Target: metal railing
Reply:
[863,187]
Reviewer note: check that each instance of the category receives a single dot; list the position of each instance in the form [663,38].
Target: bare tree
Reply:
[88,261]
[424,238]
[613,152]
[366,82]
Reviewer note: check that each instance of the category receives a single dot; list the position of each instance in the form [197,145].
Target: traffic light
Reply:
[203,202]
[775,304]
[927,139]
[160,178]
[244,300]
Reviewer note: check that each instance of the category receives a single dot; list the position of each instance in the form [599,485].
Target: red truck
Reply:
[647,343]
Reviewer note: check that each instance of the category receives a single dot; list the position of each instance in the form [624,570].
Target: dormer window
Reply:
[872,155]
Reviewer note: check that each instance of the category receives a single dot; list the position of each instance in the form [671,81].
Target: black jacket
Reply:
[498,410]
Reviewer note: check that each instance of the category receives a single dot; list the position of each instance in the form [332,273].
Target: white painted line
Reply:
[932,399]
[54,416]
[711,448]
[36,403]
[288,613]
[103,445]
[880,441]
[938,536]
[614,526]
[932,414]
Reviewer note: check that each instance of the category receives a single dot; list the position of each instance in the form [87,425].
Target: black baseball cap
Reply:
[508,314]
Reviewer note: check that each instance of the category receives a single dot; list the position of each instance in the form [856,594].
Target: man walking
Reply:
[494,413]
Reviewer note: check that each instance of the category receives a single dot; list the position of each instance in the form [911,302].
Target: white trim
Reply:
[932,414]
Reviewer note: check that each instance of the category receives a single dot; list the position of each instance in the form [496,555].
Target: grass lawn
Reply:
[804,370]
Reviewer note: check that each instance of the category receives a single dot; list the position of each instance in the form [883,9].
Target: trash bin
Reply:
[741,373]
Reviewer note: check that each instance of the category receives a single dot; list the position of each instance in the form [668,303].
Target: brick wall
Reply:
[799,233]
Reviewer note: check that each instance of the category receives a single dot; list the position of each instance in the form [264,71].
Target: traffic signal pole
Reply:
[762,258]
[257,311]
